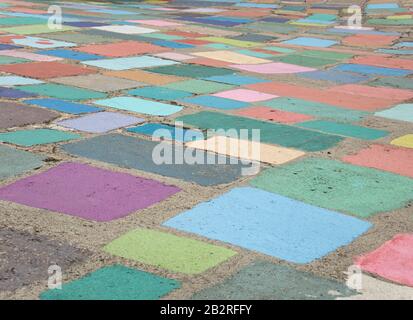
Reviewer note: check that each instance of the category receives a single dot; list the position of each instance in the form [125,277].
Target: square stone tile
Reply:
[14,162]
[32,137]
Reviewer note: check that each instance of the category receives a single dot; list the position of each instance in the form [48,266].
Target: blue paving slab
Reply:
[382,6]
[366,69]
[8,47]
[10,81]
[130,63]
[271,224]
[63,106]
[158,130]
[159,93]
[401,112]
[172,44]
[215,102]
[311,42]
[14,93]
[69,54]
[335,76]
[236,79]
[85,24]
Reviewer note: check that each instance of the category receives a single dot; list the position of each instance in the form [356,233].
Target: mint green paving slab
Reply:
[168,251]
[10,60]
[17,21]
[198,86]
[283,135]
[327,54]
[192,71]
[140,106]
[130,63]
[279,49]
[63,92]
[344,129]
[114,283]
[316,109]
[35,29]
[338,186]
[396,82]
[14,162]
[28,138]
[305,61]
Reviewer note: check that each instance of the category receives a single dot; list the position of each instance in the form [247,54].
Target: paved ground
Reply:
[328,213]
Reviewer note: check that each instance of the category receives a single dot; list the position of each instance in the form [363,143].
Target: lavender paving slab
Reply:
[14,162]
[101,195]
[63,106]
[11,93]
[264,280]
[100,122]
[32,137]
[18,115]
[283,224]
[114,283]
[131,152]
[35,254]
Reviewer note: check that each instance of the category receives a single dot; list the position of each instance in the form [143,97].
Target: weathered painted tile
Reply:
[121,49]
[262,280]
[283,224]
[168,251]
[101,195]
[63,106]
[15,162]
[125,29]
[392,261]
[36,254]
[366,69]
[347,188]
[18,115]
[10,81]
[311,42]
[11,93]
[129,63]
[191,71]
[272,68]
[167,132]
[245,95]
[32,137]
[401,112]
[131,152]
[62,92]
[70,54]
[198,86]
[231,57]
[215,102]
[335,76]
[114,283]
[100,122]
[150,78]
[236,79]
[35,29]
[404,141]
[270,114]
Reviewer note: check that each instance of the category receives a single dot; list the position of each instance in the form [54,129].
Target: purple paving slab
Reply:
[101,195]
[14,93]
[100,122]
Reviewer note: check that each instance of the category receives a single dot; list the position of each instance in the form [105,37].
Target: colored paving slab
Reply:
[392,260]
[32,137]
[130,152]
[129,63]
[269,114]
[17,115]
[15,162]
[167,132]
[62,92]
[115,282]
[404,141]
[401,112]
[101,195]
[262,280]
[121,49]
[63,106]
[283,224]
[273,133]
[20,270]
[167,251]
[343,187]
[197,86]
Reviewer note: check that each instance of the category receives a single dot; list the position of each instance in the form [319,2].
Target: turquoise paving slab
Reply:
[129,63]
[28,138]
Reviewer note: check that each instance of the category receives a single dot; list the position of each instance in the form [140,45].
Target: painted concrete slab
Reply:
[159,93]
[404,141]
[215,102]
[17,115]
[245,95]
[10,81]
[272,68]
[63,106]
[32,137]
[60,91]
[129,63]
[311,42]
[198,86]
[270,114]
[101,195]
[356,190]
[263,280]
[121,49]
[114,282]
[131,152]
[11,93]
[100,122]
[167,132]
[168,251]
[401,112]
[192,71]
[283,224]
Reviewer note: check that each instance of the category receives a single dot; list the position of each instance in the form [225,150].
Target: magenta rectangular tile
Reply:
[88,192]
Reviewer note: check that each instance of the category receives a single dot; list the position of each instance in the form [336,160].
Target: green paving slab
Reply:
[10,60]
[164,250]
[283,135]
[264,280]
[63,92]
[344,129]
[397,82]
[271,27]
[279,49]
[35,29]
[14,162]
[338,186]
[305,61]
[191,71]
[231,42]
[17,21]
[81,38]
[114,283]
[197,86]
[390,22]
[327,54]
[318,110]
[28,138]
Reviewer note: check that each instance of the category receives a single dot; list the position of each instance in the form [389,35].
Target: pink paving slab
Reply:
[272,68]
[29,56]
[245,95]
[392,261]
[88,192]
[392,159]
[270,114]
[382,61]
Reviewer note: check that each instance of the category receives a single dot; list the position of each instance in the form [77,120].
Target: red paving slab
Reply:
[269,114]
[121,49]
[392,261]
[397,95]
[393,159]
[369,40]
[339,99]
[45,70]
[383,61]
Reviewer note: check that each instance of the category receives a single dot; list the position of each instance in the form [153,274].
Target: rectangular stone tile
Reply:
[198,86]
[11,93]
[191,71]
[366,69]
[130,63]
[17,115]
[270,114]
[14,162]
[70,54]
[215,102]
[11,81]
[159,93]
[125,283]
[356,190]
[121,49]
[32,137]
[62,92]
[272,68]
[231,57]
[35,29]
[273,133]
[283,224]
[401,112]
[101,195]
[125,29]
[143,76]
[310,42]
[167,132]
[168,251]
[130,152]
[63,106]
[404,141]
